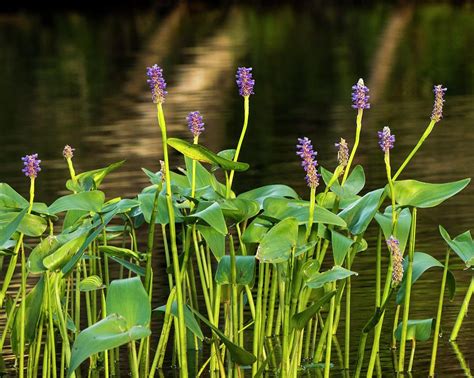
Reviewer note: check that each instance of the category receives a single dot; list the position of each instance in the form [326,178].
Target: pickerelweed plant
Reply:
[257,280]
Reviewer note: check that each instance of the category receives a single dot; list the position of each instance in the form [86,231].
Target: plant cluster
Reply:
[263,277]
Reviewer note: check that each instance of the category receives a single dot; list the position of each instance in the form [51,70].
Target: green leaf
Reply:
[44,248]
[353,185]
[88,201]
[120,252]
[237,354]
[462,245]
[108,333]
[204,179]
[189,319]
[245,270]
[256,230]
[403,225]
[130,266]
[127,297]
[277,243]
[281,208]
[320,279]
[33,303]
[421,263]
[7,230]
[10,198]
[211,213]
[419,330]
[268,191]
[340,246]
[214,239]
[91,283]
[30,225]
[201,153]
[359,214]
[155,178]
[239,209]
[63,254]
[146,206]
[300,319]
[121,205]
[92,179]
[421,194]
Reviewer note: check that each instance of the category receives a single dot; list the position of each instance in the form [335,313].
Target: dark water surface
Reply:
[79,79]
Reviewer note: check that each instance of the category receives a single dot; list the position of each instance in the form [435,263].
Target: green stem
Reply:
[174,250]
[462,360]
[412,355]
[438,316]
[22,313]
[327,363]
[239,144]
[462,311]
[406,304]
[360,112]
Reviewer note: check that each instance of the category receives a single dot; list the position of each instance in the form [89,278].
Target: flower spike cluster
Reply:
[342,152]
[157,84]
[386,139]
[195,123]
[68,151]
[360,96]
[397,260]
[437,113]
[244,81]
[309,163]
[31,165]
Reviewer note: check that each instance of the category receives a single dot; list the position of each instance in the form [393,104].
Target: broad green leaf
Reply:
[211,213]
[155,178]
[359,214]
[10,198]
[340,246]
[91,283]
[281,208]
[201,153]
[256,230]
[189,319]
[244,266]
[354,184]
[320,279]
[328,200]
[8,229]
[421,263]
[419,330]
[44,248]
[277,243]
[92,179]
[72,217]
[146,206]
[422,194]
[88,201]
[108,333]
[462,245]
[403,225]
[300,319]
[120,252]
[239,209]
[74,259]
[63,254]
[268,191]
[121,205]
[31,225]
[33,304]
[310,269]
[237,354]
[214,239]
[130,266]
[127,297]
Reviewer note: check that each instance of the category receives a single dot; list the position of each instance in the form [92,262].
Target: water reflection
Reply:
[80,79]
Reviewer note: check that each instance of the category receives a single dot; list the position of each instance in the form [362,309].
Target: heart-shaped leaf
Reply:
[88,201]
[245,270]
[277,243]
[268,191]
[419,330]
[462,245]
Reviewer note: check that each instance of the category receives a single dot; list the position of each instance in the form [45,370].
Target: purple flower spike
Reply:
[68,151]
[386,139]
[309,163]
[195,123]
[245,82]
[157,84]
[360,96]
[32,165]
[437,113]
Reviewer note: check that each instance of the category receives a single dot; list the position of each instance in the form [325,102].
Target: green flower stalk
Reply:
[245,83]
[68,153]
[157,86]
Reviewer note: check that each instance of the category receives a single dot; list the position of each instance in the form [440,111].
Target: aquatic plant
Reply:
[259,276]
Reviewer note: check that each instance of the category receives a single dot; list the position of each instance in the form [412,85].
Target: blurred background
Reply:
[76,75]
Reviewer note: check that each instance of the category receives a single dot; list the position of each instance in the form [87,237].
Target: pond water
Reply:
[77,78]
